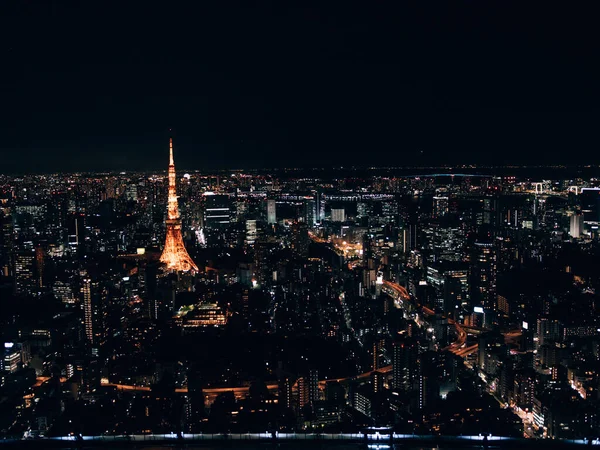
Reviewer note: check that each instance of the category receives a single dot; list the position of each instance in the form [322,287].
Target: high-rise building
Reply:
[589,199]
[377,378]
[361,400]
[338,215]
[450,284]
[319,206]
[88,314]
[335,393]
[369,265]
[407,238]
[195,402]
[217,217]
[308,388]
[548,330]
[251,232]
[92,299]
[174,254]
[445,242]
[310,212]
[271,212]
[303,392]
[429,390]
[363,209]
[7,246]
[76,228]
[576,225]
[483,275]
[131,193]
[490,344]
[300,239]
[378,347]
[440,206]
[25,280]
[285,392]
[313,385]
[263,248]
[40,261]
[11,358]
[489,213]
[524,388]
[405,363]
[63,292]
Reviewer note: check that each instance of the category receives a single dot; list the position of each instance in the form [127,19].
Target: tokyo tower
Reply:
[174,254]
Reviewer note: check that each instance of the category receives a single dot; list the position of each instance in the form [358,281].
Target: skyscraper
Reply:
[39,266]
[440,206]
[285,391]
[308,388]
[483,274]
[590,203]
[271,212]
[576,225]
[216,217]
[7,246]
[303,392]
[548,330]
[310,212]
[93,299]
[407,238]
[25,282]
[319,206]
[174,254]
[251,232]
[450,284]
[313,385]
[300,239]
[338,214]
[88,315]
[405,363]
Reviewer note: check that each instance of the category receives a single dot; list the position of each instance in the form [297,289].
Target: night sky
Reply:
[96,85]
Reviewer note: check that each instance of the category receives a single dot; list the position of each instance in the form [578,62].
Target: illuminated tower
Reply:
[86,292]
[174,255]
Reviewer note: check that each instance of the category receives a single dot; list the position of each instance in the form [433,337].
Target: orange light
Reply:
[174,254]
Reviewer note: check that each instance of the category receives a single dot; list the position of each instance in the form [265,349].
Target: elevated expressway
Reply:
[401,296]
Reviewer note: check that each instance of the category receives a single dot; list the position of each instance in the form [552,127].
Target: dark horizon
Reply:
[97,88]
[531,171]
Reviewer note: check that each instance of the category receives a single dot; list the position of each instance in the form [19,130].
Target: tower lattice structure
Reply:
[174,254]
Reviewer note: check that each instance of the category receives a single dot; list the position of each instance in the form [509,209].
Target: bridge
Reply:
[451,175]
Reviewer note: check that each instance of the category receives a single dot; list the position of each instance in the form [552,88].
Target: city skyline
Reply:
[440,293]
[383,226]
